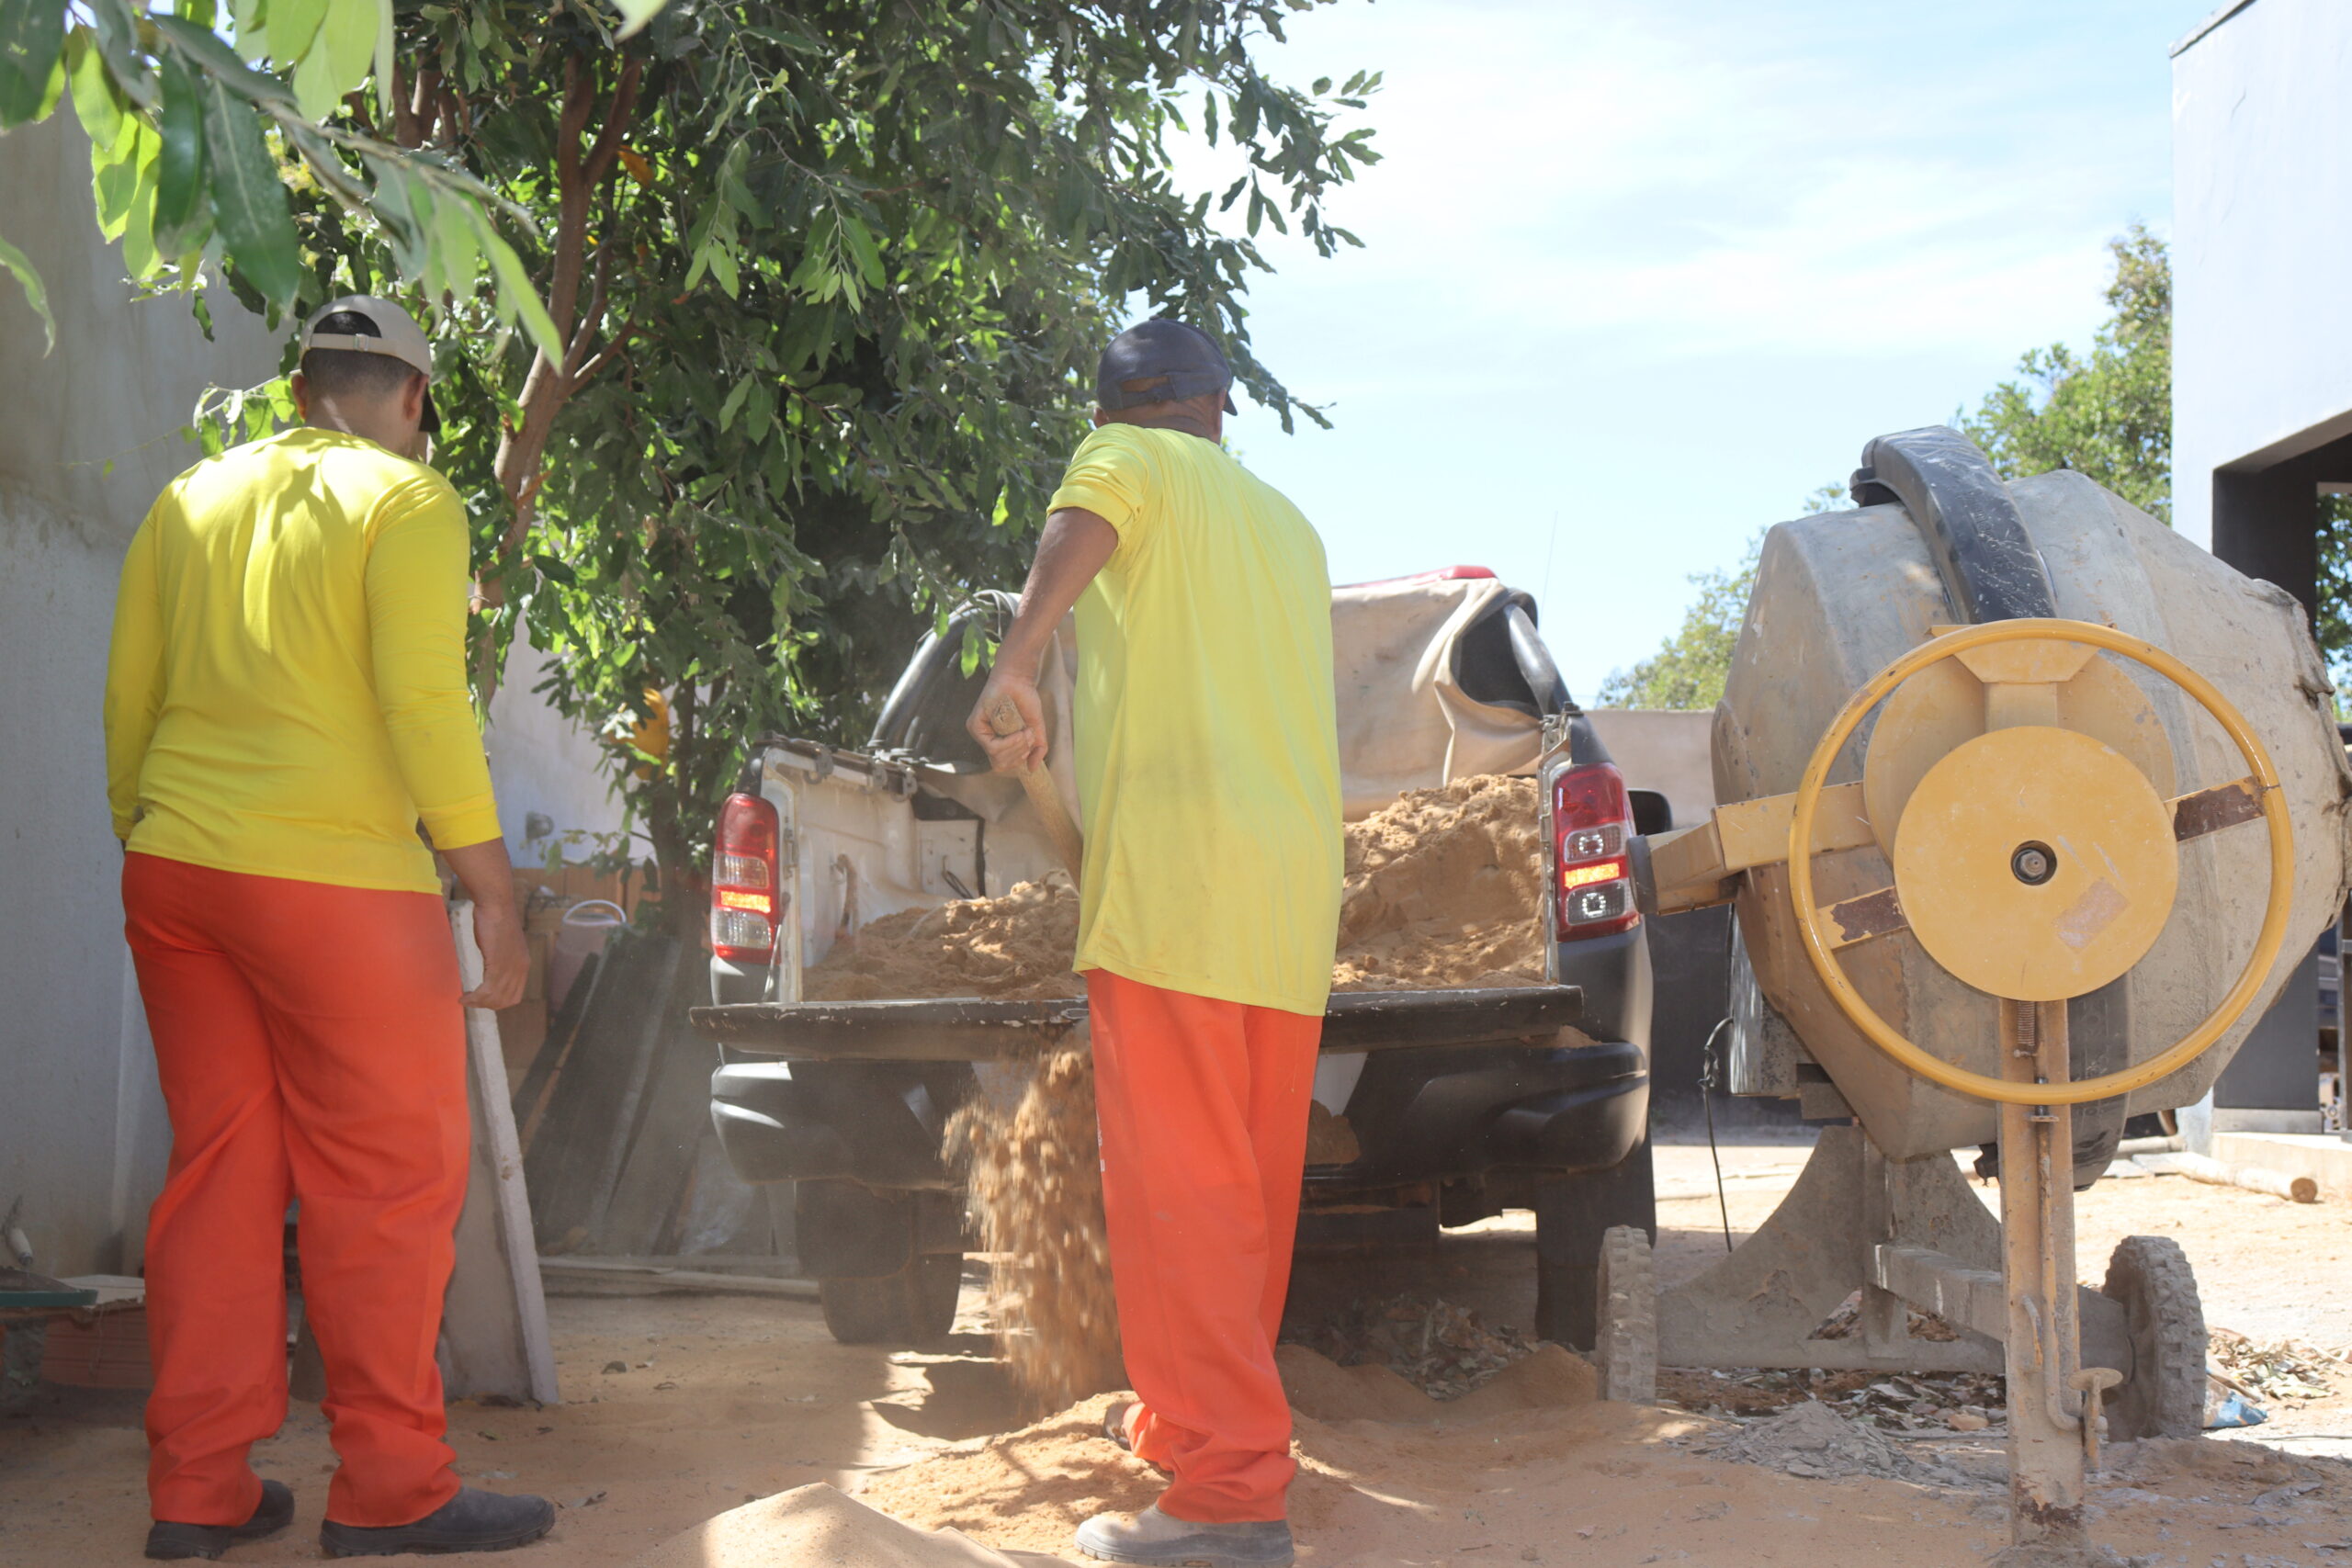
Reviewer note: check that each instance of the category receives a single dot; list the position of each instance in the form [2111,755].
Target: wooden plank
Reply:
[582,1119]
[653,1185]
[494,1321]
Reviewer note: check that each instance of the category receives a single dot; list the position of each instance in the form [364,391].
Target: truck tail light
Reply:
[746,896]
[1592,890]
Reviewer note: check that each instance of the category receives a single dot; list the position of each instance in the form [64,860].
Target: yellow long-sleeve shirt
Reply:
[286,693]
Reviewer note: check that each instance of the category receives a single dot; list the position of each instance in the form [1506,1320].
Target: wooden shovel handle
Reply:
[1005,720]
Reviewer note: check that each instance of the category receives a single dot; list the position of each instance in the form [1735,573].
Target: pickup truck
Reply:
[1462,1103]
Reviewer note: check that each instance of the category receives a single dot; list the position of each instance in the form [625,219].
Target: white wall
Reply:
[2262,235]
[541,761]
[82,1135]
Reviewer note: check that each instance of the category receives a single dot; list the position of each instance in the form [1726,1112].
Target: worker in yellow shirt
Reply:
[1208,778]
[286,702]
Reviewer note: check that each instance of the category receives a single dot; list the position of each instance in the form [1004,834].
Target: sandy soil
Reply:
[730,1399]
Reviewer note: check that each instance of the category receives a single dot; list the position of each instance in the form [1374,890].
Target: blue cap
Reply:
[1161,361]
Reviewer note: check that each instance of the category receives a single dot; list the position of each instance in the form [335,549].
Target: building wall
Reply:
[542,762]
[81,1138]
[2262,223]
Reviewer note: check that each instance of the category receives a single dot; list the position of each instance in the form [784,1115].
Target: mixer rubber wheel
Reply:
[1625,1349]
[2162,1391]
[911,1307]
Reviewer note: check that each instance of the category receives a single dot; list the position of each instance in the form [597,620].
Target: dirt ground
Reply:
[727,1400]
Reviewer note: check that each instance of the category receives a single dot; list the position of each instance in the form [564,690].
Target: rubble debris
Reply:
[1443,1349]
[2274,1369]
[1814,1441]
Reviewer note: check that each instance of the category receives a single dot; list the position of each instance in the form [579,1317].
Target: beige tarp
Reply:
[1404,722]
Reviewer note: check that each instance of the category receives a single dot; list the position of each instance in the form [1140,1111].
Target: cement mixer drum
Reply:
[2156,931]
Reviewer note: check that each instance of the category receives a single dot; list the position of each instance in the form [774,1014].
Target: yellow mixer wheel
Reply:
[1820,949]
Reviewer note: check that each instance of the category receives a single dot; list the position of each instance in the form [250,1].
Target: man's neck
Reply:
[1184,423]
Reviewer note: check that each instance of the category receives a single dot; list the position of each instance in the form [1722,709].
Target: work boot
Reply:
[472,1522]
[1153,1538]
[173,1543]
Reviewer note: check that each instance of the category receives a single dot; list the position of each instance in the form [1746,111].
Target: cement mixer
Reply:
[2031,806]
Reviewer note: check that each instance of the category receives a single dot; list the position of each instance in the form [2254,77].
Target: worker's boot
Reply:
[1152,1538]
[472,1522]
[171,1542]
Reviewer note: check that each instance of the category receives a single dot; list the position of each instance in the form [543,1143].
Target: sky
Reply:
[1640,277]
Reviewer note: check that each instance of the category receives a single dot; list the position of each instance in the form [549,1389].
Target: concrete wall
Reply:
[2262,223]
[91,433]
[82,1135]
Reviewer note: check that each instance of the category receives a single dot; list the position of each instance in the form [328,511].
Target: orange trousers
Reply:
[1203,1108]
[312,1046]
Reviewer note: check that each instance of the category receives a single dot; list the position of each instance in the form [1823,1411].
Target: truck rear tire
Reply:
[1572,1214]
[911,1307]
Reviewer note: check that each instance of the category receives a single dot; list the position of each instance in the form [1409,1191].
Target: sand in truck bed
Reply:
[1444,888]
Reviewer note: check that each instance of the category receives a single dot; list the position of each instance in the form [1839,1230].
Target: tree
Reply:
[822,288]
[2107,414]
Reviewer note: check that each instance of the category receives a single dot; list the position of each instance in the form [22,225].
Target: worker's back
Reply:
[290,640]
[1207,758]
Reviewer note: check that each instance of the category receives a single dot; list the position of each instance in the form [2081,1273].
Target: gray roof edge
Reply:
[2190,41]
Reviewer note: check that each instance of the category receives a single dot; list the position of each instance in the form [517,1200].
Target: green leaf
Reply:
[20,266]
[734,403]
[179,173]
[249,195]
[204,50]
[635,13]
[348,40]
[97,103]
[314,85]
[456,255]
[139,252]
[862,246]
[32,43]
[514,291]
[561,572]
[250,23]
[292,25]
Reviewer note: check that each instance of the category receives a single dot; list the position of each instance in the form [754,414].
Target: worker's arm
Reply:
[416,627]
[1074,546]
[134,677]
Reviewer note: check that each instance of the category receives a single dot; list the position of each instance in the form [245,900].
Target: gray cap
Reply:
[396,336]
[1161,361]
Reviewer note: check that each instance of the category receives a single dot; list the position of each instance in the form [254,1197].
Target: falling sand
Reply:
[1444,888]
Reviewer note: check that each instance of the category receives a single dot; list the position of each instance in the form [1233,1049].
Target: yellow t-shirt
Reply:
[1209,755]
[286,689]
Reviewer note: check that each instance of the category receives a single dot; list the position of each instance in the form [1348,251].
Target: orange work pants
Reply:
[311,1046]
[1202,1107]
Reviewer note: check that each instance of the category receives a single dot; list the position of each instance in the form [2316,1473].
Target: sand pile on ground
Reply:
[1036,1190]
[1032,1488]
[1444,888]
[819,1525]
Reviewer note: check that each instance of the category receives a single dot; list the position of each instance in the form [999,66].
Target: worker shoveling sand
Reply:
[1444,888]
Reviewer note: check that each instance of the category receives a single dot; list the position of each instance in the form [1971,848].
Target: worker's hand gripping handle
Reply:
[1005,720]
